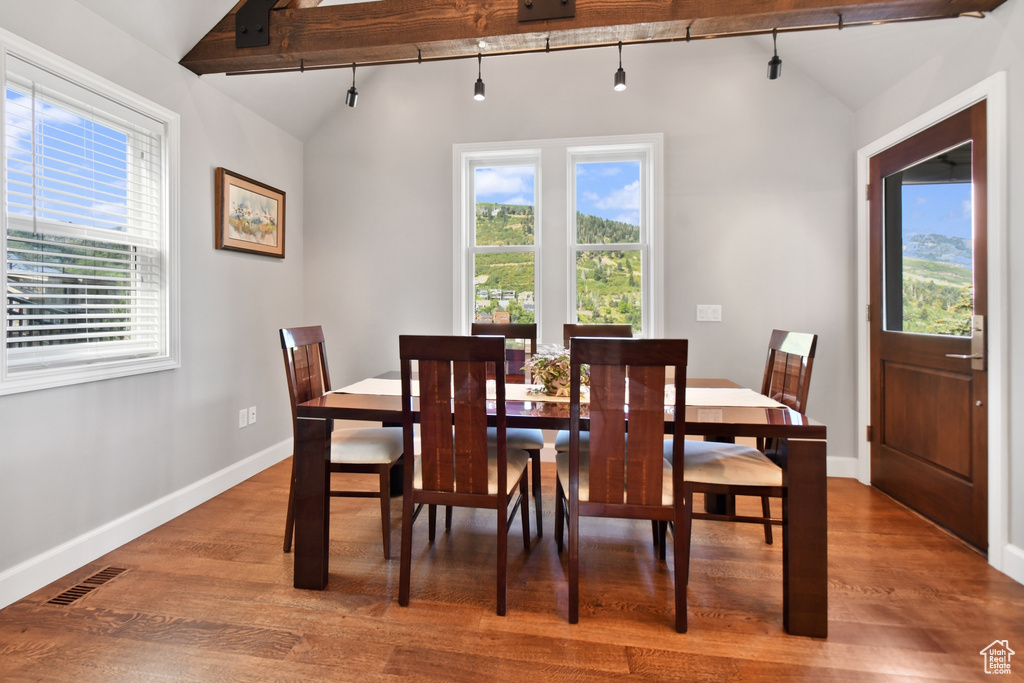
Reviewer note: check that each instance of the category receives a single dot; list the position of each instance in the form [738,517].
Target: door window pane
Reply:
[929,246]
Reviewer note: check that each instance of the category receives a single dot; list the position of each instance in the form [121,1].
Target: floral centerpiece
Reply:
[549,367]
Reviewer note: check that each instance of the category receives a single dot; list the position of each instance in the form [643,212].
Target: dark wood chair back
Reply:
[626,478]
[787,370]
[621,476]
[570,330]
[305,364]
[453,410]
[516,335]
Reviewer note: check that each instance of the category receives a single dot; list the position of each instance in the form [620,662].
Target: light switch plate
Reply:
[709,313]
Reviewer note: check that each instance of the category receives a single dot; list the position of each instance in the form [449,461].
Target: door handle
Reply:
[977,354]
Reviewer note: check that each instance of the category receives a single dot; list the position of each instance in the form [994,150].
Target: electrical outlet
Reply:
[252,415]
[243,418]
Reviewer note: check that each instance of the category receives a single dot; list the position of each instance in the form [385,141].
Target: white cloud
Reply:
[626,198]
[509,180]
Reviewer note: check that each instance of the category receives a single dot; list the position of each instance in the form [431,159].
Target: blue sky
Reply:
[941,209]
[610,190]
[82,177]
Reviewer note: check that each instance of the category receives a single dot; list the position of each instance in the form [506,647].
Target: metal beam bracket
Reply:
[536,10]
[252,23]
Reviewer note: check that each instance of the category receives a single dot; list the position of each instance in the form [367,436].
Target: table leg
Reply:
[805,540]
[312,502]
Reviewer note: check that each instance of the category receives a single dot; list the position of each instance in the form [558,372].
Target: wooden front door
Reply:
[929,402]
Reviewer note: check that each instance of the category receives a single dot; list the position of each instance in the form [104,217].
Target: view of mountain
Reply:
[941,248]
[608,282]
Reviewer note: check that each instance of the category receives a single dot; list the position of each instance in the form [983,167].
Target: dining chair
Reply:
[455,465]
[608,477]
[570,330]
[523,438]
[364,450]
[787,379]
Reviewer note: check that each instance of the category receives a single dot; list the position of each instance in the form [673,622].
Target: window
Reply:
[89,267]
[597,262]
[503,239]
[608,239]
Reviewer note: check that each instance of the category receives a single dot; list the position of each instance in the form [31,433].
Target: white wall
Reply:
[81,467]
[758,200]
[990,46]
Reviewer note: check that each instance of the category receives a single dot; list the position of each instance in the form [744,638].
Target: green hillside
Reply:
[938,298]
[608,282]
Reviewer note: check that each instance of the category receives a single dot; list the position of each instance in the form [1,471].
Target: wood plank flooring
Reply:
[208,597]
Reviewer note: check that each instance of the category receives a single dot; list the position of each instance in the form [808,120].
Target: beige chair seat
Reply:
[562,440]
[562,463]
[515,462]
[519,437]
[709,462]
[366,445]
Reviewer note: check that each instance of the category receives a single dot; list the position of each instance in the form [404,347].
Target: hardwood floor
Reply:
[208,597]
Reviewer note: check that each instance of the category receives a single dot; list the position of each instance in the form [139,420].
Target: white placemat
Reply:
[739,397]
[378,387]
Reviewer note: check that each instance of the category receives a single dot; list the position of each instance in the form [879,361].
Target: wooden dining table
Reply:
[805,547]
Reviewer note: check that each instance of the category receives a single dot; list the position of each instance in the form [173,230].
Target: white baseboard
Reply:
[37,572]
[838,466]
[1013,562]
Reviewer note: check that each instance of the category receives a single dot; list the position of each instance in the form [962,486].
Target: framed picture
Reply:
[250,215]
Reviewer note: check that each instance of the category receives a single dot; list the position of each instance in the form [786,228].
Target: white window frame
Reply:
[87,367]
[554,241]
[649,244]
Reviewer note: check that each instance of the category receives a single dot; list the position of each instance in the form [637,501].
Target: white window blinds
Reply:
[85,229]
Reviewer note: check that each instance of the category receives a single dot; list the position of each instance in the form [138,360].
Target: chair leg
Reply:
[431,522]
[524,497]
[289,517]
[502,517]
[559,515]
[662,532]
[681,557]
[535,471]
[766,510]
[405,564]
[385,509]
[448,518]
[574,563]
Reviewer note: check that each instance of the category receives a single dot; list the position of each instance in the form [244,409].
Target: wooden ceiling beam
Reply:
[393,31]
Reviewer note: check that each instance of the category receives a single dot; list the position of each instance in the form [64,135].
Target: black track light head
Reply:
[352,95]
[775,63]
[478,89]
[620,75]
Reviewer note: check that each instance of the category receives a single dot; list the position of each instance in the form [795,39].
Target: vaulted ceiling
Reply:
[854,65]
[267,35]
